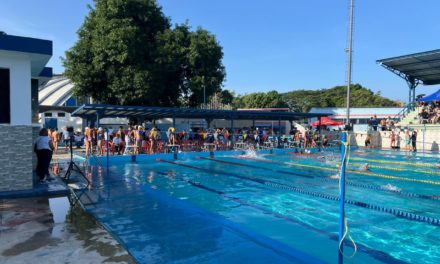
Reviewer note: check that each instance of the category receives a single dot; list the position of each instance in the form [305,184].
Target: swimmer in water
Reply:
[335,176]
[365,167]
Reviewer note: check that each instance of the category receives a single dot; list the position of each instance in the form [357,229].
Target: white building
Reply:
[22,68]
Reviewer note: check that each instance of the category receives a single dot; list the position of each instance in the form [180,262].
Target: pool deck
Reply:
[36,230]
[52,188]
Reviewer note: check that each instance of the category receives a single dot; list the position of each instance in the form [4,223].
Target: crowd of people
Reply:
[384,124]
[409,139]
[144,140]
[429,112]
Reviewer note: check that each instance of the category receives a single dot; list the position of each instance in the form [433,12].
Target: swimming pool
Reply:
[269,208]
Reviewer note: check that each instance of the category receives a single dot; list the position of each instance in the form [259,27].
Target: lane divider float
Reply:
[396,212]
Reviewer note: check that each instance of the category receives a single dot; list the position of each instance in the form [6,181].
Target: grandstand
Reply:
[418,68]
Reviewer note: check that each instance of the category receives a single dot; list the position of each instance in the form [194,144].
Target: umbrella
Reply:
[327,121]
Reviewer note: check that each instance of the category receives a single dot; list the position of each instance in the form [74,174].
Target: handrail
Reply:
[405,111]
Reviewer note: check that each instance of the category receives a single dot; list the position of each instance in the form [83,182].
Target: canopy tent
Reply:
[432,97]
[327,121]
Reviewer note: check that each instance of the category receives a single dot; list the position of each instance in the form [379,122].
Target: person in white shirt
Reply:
[117,144]
[43,147]
[66,138]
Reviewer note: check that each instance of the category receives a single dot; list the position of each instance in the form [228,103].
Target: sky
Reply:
[281,45]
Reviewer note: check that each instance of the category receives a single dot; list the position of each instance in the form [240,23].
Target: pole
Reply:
[320,133]
[97,119]
[342,198]
[350,51]
[423,144]
[204,96]
[107,142]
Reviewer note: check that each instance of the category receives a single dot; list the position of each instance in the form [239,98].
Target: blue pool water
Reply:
[269,208]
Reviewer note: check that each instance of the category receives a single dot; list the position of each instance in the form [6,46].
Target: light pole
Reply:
[350,51]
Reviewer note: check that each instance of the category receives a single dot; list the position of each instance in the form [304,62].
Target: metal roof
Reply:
[423,67]
[149,112]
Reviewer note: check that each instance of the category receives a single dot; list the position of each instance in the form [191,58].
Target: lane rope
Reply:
[371,174]
[396,212]
[326,179]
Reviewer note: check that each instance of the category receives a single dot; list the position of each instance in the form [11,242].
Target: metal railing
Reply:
[405,111]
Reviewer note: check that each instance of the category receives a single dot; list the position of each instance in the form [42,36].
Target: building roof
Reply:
[357,112]
[423,67]
[39,52]
[56,91]
[149,112]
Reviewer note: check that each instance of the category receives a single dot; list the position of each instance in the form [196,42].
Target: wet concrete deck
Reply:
[43,230]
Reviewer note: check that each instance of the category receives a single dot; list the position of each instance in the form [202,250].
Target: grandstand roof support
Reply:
[412,84]
[97,119]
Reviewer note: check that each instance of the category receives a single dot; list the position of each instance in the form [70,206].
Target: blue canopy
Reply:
[432,97]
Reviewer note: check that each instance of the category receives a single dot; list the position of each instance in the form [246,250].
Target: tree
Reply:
[127,53]
[304,100]
[271,99]
[226,97]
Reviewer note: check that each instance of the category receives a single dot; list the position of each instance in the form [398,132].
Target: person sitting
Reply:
[79,139]
[117,144]
[325,141]
[423,116]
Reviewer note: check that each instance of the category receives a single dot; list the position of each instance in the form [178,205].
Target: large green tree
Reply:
[260,100]
[304,100]
[128,53]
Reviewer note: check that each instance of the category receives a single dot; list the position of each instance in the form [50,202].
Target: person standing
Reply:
[66,138]
[407,140]
[374,123]
[392,140]
[55,138]
[43,147]
[414,140]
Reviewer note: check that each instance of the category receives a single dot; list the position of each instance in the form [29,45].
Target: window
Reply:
[5,98]
[61,114]
[47,114]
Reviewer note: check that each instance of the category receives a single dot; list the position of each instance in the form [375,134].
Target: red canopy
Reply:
[327,121]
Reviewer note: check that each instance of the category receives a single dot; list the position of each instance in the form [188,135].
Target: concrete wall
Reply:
[16,159]
[427,139]
[20,81]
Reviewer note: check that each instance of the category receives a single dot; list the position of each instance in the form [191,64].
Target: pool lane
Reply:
[158,228]
[268,198]
[302,190]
